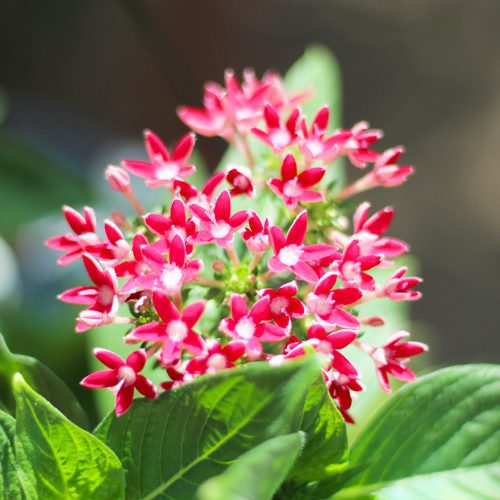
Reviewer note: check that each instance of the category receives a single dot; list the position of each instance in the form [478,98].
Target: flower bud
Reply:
[117,178]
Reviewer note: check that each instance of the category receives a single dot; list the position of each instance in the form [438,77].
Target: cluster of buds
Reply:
[202,287]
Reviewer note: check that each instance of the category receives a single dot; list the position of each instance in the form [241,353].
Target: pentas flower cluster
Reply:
[202,286]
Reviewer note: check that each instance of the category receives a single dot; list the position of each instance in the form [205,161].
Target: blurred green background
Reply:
[80,80]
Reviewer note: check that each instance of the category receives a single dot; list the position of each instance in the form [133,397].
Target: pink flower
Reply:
[290,253]
[392,357]
[175,331]
[240,177]
[340,387]
[168,227]
[279,135]
[102,298]
[218,225]
[118,179]
[328,344]
[294,188]
[356,142]
[211,120]
[386,172]
[163,169]
[169,276]
[83,240]
[203,197]
[327,303]
[215,357]
[352,265]
[399,288]
[314,145]
[369,233]
[123,377]
[283,304]
[118,247]
[251,327]
[256,236]
[135,267]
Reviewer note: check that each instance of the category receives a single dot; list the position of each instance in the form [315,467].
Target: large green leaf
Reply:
[42,379]
[171,445]
[258,473]
[33,184]
[325,452]
[447,420]
[13,484]
[62,460]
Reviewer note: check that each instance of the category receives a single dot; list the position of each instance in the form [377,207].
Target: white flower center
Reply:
[127,374]
[379,357]
[167,171]
[351,270]
[290,255]
[279,304]
[324,347]
[171,278]
[292,188]
[279,138]
[177,330]
[216,362]
[245,328]
[106,295]
[241,181]
[220,229]
[319,304]
[315,147]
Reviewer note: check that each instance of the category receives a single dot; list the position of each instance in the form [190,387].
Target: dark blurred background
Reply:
[80,80]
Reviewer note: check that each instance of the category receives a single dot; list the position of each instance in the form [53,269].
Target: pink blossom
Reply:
[204,197]
[102,298]
[251,326]
[283,304]
[118,179]
[216,357]
[356,142]
[176,224]
[256,236]
[391,358]
[386,172]
[122,377]
[327,304]
[352,265]
[169,276]
[340,387]
[163,168]
[314,143]
[279,135]
[290,253]
[293,187]
[174,332]
[135,267]
[83,239]
[218,225]
[240,177]
[399,288]
[369,232]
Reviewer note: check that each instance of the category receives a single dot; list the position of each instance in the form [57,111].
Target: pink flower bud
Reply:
[117,178]
[218,266]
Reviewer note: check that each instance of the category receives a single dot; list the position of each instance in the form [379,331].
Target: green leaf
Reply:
[171,445]
[13,483]
[42,379]
[258,473]
[459,484]
[447,420]
[63,460]
[39,181]
[325,452]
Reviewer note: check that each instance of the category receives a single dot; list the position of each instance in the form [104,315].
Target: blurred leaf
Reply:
[258,473]
[171,445]
[62,460]
[447,420]
[43,380]
[32,184]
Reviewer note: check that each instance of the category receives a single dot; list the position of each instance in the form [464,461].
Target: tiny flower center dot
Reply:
[279,305]
[220,229]
[171,278]
[127,374]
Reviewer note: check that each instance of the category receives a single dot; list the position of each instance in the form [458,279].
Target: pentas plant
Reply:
[267,240]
